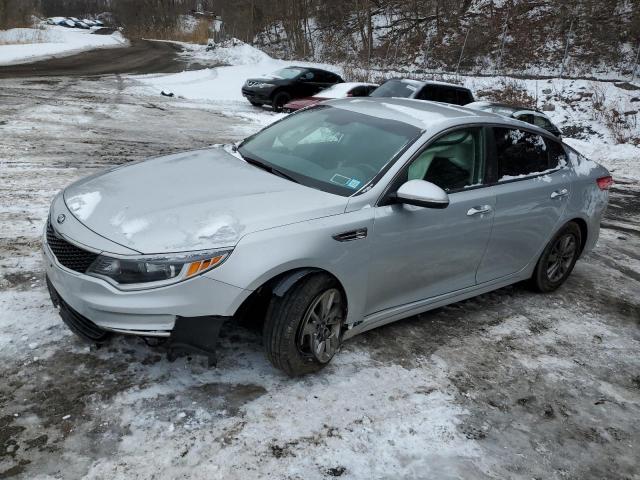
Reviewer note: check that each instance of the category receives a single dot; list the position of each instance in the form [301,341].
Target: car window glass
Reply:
[540,121]
[557,154]
[441,94]
[287,73]
[324,77]
[395,88]
[332,149]
[464,97]
[358,92]
[525,117]
[453,162]
[519,153]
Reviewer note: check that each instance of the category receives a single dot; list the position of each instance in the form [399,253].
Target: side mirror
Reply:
[422,194]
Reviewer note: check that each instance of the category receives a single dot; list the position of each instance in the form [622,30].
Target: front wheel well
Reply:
[252,311]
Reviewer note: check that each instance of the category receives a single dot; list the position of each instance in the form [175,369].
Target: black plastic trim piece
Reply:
[197,335]
[351,235]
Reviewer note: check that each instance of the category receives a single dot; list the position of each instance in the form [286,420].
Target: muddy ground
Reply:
[511,384]
[143,56]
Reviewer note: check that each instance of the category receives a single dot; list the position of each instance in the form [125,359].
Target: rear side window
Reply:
[557,154]
[464,97]
[394,88]
[540,121]
[439,94]
[520,153]
[360,91]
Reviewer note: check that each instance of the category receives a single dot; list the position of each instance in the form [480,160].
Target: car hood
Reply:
[192,201]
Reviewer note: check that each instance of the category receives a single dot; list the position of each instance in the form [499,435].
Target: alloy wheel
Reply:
[319,333]
[561,257]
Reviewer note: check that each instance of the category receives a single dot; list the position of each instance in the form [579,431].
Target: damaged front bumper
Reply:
[188,314]
[197,335]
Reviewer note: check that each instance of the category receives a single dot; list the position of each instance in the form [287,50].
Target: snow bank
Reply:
[219,84]
[25,45]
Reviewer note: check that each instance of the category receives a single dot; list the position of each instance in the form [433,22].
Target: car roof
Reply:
[422,83]
[425,114]
[315,69]
[515,108]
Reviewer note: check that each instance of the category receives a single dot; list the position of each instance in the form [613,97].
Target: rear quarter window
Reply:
[520,153]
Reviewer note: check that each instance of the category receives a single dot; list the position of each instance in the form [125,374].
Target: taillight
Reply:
[604,182]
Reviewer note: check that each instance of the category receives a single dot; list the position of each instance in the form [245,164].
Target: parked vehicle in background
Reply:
[339,90]
[73,22]
[288,83]
[341,218]
[431,90]
[524,114]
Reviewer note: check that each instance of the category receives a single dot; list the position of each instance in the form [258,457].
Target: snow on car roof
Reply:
[419,113]
[421,83]
[340,90]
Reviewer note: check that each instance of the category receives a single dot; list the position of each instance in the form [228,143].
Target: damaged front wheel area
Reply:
[303,327]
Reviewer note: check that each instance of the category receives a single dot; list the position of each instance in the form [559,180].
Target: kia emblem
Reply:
[61,218]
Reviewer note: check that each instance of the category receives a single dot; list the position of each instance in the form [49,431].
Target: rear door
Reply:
[532,188]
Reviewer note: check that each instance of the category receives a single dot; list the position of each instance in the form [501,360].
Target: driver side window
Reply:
[452,162]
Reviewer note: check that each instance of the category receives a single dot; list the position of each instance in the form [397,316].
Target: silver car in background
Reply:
[333,221]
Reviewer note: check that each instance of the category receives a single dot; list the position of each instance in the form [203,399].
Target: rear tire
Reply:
[280,99]
[303,328]
[558,259]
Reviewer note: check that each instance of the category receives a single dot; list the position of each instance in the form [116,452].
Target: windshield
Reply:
[287,72]
[395,88]
[328,148]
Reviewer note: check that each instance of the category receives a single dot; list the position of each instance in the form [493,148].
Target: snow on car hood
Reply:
[191,201]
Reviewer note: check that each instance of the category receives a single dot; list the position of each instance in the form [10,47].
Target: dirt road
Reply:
[509,385]
[143,56]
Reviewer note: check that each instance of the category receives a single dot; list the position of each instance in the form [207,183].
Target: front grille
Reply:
[70,256]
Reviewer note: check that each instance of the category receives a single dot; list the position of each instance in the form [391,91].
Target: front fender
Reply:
[264,255]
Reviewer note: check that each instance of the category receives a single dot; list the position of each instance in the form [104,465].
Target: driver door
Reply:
[418,253]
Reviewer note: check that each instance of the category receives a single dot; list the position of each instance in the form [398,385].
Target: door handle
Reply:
[560,193]
[481,209]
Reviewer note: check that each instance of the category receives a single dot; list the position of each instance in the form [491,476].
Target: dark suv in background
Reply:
[431,90]
[286,84]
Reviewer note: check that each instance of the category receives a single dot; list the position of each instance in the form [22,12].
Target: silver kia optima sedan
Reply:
[335,220]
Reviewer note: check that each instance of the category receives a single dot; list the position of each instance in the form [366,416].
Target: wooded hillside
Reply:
[540,36]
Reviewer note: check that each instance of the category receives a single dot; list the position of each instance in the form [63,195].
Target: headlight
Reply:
[152,271]
[263,85]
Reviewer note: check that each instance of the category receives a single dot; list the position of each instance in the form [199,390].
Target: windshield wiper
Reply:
[268,168]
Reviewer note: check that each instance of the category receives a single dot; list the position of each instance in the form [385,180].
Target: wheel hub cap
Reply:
[320,329]
[561,257]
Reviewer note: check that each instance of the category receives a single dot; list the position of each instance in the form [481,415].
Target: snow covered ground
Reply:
[511,384]
[24,45]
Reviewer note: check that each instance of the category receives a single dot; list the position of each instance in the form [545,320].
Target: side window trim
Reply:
[384,198]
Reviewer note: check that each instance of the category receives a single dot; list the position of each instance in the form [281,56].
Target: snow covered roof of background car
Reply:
[419,113]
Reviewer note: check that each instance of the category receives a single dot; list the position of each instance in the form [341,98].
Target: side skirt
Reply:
[393,314]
